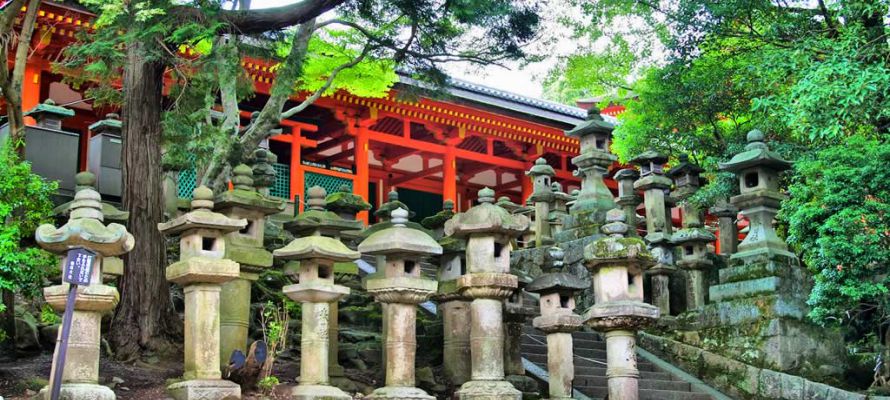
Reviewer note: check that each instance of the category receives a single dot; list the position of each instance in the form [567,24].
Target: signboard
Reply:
[78,266]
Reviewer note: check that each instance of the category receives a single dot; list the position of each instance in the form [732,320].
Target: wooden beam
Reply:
[343,154]
[412,176]
[440,149]
[330,144]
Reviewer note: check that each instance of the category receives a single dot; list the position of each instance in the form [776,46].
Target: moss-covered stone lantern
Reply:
[453,306]
[693,238]
[345,203]
[84,228]
[595,199]
[655,187]
[560,209]
[317,248]
[542,197]
[617,263]
[383,213]
[401,288]
[201,270]
[489,231]
[628,199]
[244,246]
[516,313]
[557,288]
[49,115]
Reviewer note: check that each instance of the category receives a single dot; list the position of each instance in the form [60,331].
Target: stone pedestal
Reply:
[727,227]
[234,316]
[560,353]
[515,317]
[84,228]
[620,320]
[456,340]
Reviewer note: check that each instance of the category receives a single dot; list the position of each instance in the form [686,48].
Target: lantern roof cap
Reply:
[317,218]
[756,154]
[626,173]
[486,217]
[202,216]
[685,167]
[541,168]
[392,204]
[316,246]
[49,107]
[649,156]
[85,227]
[343,200]
[87,180]
[400,239]
[594,124]
[693,235]
[438,219]
[112,122]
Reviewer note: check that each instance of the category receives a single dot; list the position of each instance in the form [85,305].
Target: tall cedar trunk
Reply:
[145,318]
[7,325]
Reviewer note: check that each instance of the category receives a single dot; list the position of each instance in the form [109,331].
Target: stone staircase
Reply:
[590,369]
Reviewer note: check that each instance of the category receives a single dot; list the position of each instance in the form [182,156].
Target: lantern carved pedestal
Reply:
[201,270]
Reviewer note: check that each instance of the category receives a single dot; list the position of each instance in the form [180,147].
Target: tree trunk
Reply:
[145,318]
[7,325]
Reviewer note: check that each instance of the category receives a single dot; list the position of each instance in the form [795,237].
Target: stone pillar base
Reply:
[318,392]
[488,390]
[210,389]
[526,385]
[399,393]
[79,391]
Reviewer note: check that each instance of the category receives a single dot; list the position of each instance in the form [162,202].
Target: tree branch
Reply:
[270,19]
[315,96]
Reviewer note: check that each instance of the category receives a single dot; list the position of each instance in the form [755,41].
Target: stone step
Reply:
[541,359]
[599,354]
[647,394]
[600,370]
[593,336]
[577,343]
[654,384]
[751,271]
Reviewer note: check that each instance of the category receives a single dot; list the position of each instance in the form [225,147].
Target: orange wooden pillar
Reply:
[31,90]
[449,175]
[360,184]
[297,180]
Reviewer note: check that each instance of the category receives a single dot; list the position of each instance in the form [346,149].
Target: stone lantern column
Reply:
[315,290]
[489,231]
[542,197]
[85,228]
[560,209]
[201,270]
[595,199]
[693,238]
[617,263]
[245,247]
[515,316]
[454,308]
[628,199]
[727,225]
[658,225]
[558,320]
[402,288]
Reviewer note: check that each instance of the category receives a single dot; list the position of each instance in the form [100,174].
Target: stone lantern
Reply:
[758,171]
[263,171]
[245,247]
[542,197]
[489,231]
[436,223]
[317,218]
[201,270]
[655,187]
[454,307]
[617,263]
[560,208]
[693,238]
[558,320]
[401,288]
[85,228]
[594,199]
[392,203]
[49,115]
[628,199]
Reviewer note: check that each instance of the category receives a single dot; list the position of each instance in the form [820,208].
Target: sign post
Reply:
[77,271]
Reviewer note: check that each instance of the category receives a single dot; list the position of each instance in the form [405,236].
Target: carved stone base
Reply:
[488,390]
[79,391]
[399,393]
[319,392]
[211,389]
[526,385]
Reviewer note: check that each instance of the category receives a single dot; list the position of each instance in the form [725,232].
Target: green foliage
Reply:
[267,384]
[839,220]
[25,203]
[48,316]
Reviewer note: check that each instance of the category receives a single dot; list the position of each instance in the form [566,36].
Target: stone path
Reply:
[590,368]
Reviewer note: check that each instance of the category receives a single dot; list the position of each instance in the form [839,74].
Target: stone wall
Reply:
[740,380]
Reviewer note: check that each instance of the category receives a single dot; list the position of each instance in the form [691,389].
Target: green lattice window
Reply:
[330,183]
[186,183]
[281,185]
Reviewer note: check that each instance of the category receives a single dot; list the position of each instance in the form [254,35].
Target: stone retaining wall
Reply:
[740,380]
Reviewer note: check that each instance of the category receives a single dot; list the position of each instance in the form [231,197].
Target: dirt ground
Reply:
[23,378]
